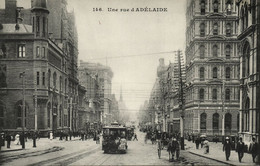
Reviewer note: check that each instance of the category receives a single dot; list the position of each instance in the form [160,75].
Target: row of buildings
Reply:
[221,84]
[41,85]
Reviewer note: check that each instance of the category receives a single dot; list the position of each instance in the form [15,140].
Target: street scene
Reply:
[129,82]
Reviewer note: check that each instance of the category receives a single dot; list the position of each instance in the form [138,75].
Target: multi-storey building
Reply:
[248,51]
[63,31]
[90,81]
[162,82]
[34,70]
[104,74]
[212,67]
[172,93]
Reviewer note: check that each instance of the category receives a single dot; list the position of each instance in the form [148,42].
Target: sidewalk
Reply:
[41,144]
[216,153]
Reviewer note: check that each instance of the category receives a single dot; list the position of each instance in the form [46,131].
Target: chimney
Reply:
[10,11]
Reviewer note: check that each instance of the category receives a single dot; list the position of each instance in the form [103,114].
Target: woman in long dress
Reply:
[17,139]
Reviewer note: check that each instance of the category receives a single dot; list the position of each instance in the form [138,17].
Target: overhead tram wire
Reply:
[127,56]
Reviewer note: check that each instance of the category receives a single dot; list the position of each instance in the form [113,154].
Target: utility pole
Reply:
[22,75]
[35,114]
[223,110]
[181,100]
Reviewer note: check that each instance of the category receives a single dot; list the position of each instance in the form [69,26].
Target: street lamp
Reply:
[22,75]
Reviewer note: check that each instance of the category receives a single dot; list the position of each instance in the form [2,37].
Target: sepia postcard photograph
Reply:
[129,82]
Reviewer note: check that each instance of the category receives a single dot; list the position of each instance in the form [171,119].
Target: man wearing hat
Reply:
[227,148]
[240,149]
[253,149]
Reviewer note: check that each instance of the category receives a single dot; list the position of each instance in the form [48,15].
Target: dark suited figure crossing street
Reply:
[240,149]
[8,139]
[253,148]
[135,137]
[197,142]
[227,148]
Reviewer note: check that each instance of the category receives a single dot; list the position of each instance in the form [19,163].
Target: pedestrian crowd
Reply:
[18,138]
[228,146]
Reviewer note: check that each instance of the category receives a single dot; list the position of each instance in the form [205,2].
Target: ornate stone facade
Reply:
[248,30]
[27,45]
[212,66]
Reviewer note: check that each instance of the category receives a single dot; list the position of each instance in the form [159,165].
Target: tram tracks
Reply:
[7,159]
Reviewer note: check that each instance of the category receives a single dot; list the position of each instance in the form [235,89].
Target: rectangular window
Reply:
[38,78]
[43,52]
[33,24]
[43,78]
[38,51]
[60,84]
[37,25]
[21,51]
[214,94]
[43,26]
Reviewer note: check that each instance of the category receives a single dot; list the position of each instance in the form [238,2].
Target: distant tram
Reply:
[114,139]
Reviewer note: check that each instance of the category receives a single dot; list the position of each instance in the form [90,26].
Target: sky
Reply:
[131,43]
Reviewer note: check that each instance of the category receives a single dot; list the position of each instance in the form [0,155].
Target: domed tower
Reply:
[40,18]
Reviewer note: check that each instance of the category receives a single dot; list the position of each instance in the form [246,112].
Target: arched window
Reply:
[203,121]
[215,121]
[228,122]
[49,78]
[3,51]
[202,7]
[215,28]
[214,94]
[202,52]
[229,7]
[49,114]
[228,29]
[215,6]
[246,60]
[3,83]
[60,116]
[2,112]
[201,94]
[238,116]
[245,115]
[246,17]
[227,95]
[228,73]
[65,86]
[60,84]
[19,113]
[215,51]
[215,72]
[202,29]
[202,74]
[54,80]
[228,52]
[242,13]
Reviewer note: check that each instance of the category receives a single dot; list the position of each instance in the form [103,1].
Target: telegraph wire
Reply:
[127,56]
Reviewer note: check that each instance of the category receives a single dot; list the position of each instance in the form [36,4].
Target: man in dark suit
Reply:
[240,149]
[227,148]
[253,148]
[8,139]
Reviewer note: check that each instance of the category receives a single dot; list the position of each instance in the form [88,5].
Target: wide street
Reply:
[79,152]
